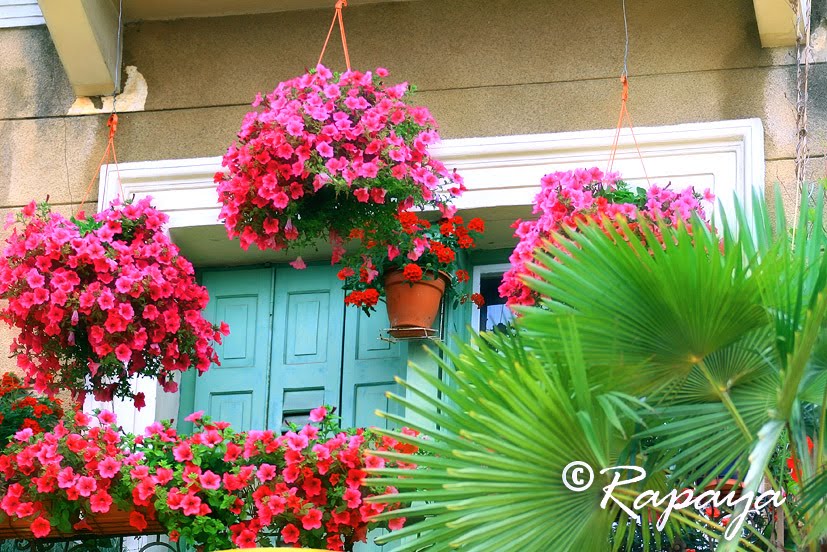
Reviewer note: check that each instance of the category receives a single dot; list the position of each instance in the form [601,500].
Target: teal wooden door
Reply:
[236,391]
[369,366]
[294,346]
[308,326]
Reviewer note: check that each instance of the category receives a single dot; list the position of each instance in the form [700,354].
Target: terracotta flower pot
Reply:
[412,307]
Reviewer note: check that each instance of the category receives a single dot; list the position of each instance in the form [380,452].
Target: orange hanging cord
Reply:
[112,123]
[624,114]
[337,16]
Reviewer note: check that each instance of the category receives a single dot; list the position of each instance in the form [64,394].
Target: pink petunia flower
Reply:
[318,414]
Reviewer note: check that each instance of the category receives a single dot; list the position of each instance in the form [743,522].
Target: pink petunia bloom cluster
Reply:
[569,198]
[98,300]
[224,489]
[216,487]
[58,479]
[327,154]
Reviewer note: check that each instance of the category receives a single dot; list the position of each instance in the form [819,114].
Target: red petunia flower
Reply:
[137,520]
[41,527]
[290,534]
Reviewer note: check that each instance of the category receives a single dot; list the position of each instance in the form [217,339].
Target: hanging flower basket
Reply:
[98,300]
[20,529]
[114,523]
[569,198]
[121,523]
[69,481]
[328,154]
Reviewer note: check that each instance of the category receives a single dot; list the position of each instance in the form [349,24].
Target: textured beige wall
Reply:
[484,67]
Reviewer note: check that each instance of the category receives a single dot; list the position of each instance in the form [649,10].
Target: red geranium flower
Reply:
[476,225]
[791,461]
[412,272]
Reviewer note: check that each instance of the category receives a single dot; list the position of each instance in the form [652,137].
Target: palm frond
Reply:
[661,308]
[500,483]
[496,483]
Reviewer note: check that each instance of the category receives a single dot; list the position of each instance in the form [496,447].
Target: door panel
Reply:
[236,391]
[235,408]
[307,318]
[369,367]
[307,350]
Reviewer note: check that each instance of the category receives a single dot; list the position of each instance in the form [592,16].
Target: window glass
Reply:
[494,315]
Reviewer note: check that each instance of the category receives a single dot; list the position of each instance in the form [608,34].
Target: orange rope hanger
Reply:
[624,114]
[112,123]
[624,110]
[337,16]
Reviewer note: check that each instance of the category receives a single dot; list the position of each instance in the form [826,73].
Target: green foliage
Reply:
[700,358]
[21,408]
[500,437]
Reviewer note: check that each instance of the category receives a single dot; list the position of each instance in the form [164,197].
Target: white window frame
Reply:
[476,276]
[20,13]
[498,171]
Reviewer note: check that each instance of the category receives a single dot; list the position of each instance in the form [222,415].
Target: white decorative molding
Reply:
[182,188]
[725,156]
[20,13]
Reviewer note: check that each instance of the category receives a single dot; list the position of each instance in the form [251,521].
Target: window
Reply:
[494,315]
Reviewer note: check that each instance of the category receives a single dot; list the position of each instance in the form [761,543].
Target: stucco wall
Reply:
[483,67]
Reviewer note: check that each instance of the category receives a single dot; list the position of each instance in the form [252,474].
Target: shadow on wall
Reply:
[32,78]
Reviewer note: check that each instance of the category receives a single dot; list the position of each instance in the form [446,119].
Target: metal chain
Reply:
[118,56]
[626,49]
[803,56]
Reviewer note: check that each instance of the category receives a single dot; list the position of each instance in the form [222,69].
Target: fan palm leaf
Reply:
[729,323]
[501,438]
[663,310]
